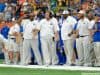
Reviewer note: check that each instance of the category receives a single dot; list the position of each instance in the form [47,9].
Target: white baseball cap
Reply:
[81,12]
[65,12]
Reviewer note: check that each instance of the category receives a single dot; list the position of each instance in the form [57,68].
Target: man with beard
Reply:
[30,41]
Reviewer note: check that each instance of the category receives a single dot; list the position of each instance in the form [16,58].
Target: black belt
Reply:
[12,38]
[83,35]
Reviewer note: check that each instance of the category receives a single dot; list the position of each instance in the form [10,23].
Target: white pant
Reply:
[69,50]
[49,51]
[83,50]
[97,52]
[27,45]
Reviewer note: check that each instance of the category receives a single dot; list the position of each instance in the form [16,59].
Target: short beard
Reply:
[31,19]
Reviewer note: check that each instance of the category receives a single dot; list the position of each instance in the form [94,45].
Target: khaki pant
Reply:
[83,50]
[49,51]
[97,53]
[26,54]
[69,50]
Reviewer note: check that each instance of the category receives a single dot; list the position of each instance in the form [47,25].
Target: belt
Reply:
[83,35]
[12,38]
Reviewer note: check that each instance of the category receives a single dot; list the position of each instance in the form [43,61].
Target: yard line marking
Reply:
[72,68]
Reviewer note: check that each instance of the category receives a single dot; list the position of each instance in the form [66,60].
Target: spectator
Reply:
[2,6]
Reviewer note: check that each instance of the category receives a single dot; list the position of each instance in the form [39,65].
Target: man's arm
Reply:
[56,36]
[35,31]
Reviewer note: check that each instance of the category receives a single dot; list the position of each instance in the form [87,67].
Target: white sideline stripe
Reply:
[72,68]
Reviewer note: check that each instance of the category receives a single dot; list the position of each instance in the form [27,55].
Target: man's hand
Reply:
[35,32]
[15,34]
[4,50]
[56,38]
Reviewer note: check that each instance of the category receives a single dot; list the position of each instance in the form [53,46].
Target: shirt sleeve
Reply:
[17,28]
[56,27]
[92,23]
[78,25]
[39,24]
[10,31]
[72,21]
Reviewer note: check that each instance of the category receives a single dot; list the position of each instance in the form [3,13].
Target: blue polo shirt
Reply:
[2,7]
[4,31]
[96,36]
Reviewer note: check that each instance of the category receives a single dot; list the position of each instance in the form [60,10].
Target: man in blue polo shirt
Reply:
[4,33]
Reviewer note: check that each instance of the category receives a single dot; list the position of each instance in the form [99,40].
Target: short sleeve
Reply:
[92,23]
[39,24]
[78,25]
[17,28]
[56,27]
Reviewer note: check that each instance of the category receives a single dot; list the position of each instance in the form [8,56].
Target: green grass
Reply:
[1,61]
[23,71]
[20,71]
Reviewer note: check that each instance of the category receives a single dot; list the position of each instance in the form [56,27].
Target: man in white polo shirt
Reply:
[48,34]
[30,41]
[14,50]
[83,41]
[66,33]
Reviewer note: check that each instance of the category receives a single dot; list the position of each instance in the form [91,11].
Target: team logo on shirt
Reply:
[33,23]
[51,23]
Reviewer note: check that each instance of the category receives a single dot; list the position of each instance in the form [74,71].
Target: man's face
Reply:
[80,16]
[31,18]
[90,16]
[65,16]
[47,15]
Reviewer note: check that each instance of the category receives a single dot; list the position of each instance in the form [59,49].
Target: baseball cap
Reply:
[81,12]
[65,12]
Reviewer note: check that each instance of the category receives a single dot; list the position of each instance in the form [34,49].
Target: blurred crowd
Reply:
[16,8]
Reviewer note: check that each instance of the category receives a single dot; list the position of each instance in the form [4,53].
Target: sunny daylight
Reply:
[49,37]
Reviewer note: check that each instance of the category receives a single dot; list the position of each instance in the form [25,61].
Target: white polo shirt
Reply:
[67,27]
[48,27]
[13,29]
[28,29]
[83,27]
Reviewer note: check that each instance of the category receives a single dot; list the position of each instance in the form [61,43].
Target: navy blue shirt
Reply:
[96,36]
[2,7]
[21,28]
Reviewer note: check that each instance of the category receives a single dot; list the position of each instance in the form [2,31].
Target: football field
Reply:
[19,71]
[47,70]
[44,70]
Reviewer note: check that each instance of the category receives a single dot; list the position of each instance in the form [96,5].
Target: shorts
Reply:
[13,46]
